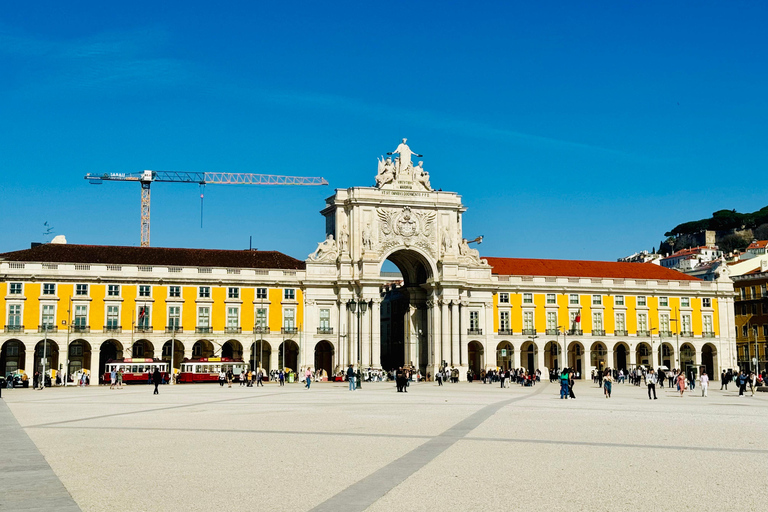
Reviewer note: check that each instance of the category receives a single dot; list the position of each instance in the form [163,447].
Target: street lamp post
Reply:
[564,354]
[654,329]
[69,330]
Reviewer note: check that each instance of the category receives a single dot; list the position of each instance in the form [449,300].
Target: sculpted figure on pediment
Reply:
[404,158]
[422,176]
[327,250]
[386,172]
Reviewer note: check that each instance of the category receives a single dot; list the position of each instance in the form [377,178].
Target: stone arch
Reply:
[12,356]
[143,348]
[528,356]
[414,264]
[109,350]
[709,360]
[476,357]
[80,354]
[687,357]
[288,355]
[643,354]
[668,355]
[261,352]
[505,360]
[232,349]
[552,355]
[576,357]
[324,357]
[621,356]
[178,352]
[598,356]
[203,348]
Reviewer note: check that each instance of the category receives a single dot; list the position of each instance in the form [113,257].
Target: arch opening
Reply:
[261,352]
[505,355]
[324,358]
[12,357]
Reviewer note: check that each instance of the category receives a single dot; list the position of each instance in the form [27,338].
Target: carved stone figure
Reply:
[404,159]
[327,250]
[386,172]
[421,176]
[344,239]
[468,254]
[447,241]
[367,242]
[406,227]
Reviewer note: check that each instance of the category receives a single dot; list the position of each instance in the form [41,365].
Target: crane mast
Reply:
[146,178]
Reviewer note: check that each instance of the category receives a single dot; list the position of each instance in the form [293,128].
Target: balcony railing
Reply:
[261,329]
[113,328]
[81,328]
[619,333]
[202,329]
[529,332]
[47,328]
[14,328]
[552,332]
[665,334]
[476,332]
[289,330]
[233,330]
[644,333]
[505,332]
[687,334]
[598,332]
[325,330]
[707,335]
[143,328]
[169,329]
[575,332]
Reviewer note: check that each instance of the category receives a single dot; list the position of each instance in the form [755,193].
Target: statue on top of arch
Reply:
[402,170]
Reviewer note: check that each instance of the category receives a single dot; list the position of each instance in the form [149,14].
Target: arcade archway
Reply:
[178,352]
[324,357]
[79,357]
[620,357]
[528,353]
[232,349]
[643,353]
[476,356]
[552,355]
[261,352]
[202,348]
[288,355]
[709,360]
[109,351]
[598,356]
[12,357]
[505,355]
[143,348]
[576,357]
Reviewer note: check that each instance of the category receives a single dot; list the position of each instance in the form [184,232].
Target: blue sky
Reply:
[579,130]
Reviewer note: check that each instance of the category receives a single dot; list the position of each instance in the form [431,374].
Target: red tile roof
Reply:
[758,244]
[119,255]
[578,268]
[688,252]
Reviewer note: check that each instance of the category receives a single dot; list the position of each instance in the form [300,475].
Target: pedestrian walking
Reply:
[230,377]
[308,377]
[157,379]
[752,382]
[564,384]
[351,378]
[112,378]
[723,382]
[607,384]
[281,377]
[222,378]
[651,380]
[120,378]
[681,383]
[260,378]
[704,381]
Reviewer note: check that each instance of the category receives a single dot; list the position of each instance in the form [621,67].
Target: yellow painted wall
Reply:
[218,308]
[3,310]
[247,309]
[539,314]
[300,309]
[586,312]
[516,320]
[64,292]
[495,312]
[716,316]
[96,311]
[189,309]
[159,310]
[128,308]
[275,317]
[609,317]
[631,302]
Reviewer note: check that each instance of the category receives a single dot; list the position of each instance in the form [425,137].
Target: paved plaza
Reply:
[466,446]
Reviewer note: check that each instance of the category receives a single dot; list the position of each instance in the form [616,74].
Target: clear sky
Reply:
[579,130]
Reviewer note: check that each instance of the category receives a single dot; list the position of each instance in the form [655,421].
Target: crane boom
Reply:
[146,178]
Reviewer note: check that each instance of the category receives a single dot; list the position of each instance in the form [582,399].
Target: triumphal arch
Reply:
[421,319]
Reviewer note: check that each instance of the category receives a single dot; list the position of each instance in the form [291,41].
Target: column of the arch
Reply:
[365,335]
[352,336]
[445,333]
[29,362]
[463,342]
[433,352]
[95,377]
[455,333]
[376,333]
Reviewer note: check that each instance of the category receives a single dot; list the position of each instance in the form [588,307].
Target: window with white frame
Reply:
[233,292]
[641,300]
[81,316]
[325,319]
[14,315]
[664,322]
[573,299]
[204,292]
[49,289]
[261,318]
[113,317]
[174,292]
[145,290]
[551,321]
[597,320]
[289,318]
[597,300]
[707,324]
[504,321]
[261,293]
[290,294]
[744,330]
[551,298]
[618,300]
[685,302]
[663,302]
[621,322]
[14,289]
[49,311]
[686,323]
[527,298]
[233,317]
[174,317]
[743,293]
[528,320]
[642,322]
[203,316]
[474,320]
[706,302]
[503,298]
[143,318]
[81,289]
[113,290]
[575,319]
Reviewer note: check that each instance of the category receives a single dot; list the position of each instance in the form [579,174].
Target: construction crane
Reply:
[201,178]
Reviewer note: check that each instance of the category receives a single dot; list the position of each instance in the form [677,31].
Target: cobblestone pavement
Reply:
[467,446]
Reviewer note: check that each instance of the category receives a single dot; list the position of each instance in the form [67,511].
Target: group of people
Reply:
[247,378]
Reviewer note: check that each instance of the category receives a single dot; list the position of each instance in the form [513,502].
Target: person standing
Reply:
[564,384]
[281,377]
[308,377]
[351,377]
[607,383]
[742,381]
[222,378]
[260,378]
[651,381]
[112,378]
[681,383]
[704,381]
[230,377]
[723,382]
[157,378]
[752,382]
[120,378]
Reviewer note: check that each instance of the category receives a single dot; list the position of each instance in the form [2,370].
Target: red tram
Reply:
[136,370]
[207,369]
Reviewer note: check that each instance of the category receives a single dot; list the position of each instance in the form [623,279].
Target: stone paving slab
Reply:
[27,482]
[470,446]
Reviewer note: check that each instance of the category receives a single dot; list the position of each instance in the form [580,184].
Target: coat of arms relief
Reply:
[406,227]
